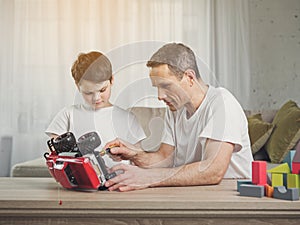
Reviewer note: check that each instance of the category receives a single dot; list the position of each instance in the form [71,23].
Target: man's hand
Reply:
[209,171]
[121,150]
[132,178]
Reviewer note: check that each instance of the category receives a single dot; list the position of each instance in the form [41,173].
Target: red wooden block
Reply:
[259,172]
[296,167]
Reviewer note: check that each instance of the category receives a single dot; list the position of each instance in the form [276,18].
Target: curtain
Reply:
[40,39]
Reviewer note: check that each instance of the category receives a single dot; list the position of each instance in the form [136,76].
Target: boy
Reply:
[92,73]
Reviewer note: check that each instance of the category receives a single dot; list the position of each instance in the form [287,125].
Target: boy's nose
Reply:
[96,96]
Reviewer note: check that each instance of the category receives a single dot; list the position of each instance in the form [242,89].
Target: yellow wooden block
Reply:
[282,168]
[293,181]
[277,179]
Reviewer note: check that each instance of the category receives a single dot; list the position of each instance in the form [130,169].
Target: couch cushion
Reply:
[259,132]
[152,121]
[266,114]
[286,133]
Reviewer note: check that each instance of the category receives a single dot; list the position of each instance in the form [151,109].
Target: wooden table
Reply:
[36,201]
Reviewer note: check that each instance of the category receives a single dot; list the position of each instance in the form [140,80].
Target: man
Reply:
[206,132]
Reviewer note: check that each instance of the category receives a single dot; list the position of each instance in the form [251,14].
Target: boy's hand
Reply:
[121,150]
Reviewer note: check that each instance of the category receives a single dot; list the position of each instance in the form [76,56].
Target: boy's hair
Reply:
[92,66]
[177,56]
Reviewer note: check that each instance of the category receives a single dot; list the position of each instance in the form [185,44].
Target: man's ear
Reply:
[190,76]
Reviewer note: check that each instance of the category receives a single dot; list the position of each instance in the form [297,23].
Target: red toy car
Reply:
[75,165]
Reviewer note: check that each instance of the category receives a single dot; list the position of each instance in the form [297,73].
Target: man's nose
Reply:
[161,94]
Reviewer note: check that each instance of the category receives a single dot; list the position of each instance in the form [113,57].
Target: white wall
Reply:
[275,52]
[275,59]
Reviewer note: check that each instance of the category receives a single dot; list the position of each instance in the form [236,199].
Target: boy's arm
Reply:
[209,171]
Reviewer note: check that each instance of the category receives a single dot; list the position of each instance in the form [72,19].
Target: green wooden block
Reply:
[293,181]
[277,179]
[282,168]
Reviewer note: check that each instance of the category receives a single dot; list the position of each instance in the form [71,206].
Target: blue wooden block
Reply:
[239,182]
[291,194]
[289,158]
[284,179]
[252,190]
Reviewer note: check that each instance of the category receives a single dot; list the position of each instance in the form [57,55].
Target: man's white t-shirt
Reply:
[219,117]
[109,123]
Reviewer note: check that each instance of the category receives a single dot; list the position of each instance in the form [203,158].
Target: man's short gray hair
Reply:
[176,55]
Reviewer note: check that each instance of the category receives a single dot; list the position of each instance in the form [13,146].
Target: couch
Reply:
[151,119]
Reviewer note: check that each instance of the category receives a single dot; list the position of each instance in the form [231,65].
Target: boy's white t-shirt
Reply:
[219,117]
[109,123]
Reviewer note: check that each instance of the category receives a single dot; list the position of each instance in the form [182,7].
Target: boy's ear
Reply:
[77,85]
[112,80]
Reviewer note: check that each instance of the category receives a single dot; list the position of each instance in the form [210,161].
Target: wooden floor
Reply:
[42,201]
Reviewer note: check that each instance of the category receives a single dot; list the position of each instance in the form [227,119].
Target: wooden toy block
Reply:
[284,179]
[291,194]
[259,172]
[269,190]
[239,182]
[282,168]
[296,167]
[252,190]
[277,179]
[293,181]
[297,154]
[269,179]
[289,158]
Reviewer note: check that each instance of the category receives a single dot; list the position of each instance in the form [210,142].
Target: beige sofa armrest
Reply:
[33,168]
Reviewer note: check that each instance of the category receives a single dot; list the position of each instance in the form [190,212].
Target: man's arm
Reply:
[53,135]
[125,151]
[209,171]
[164,157]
